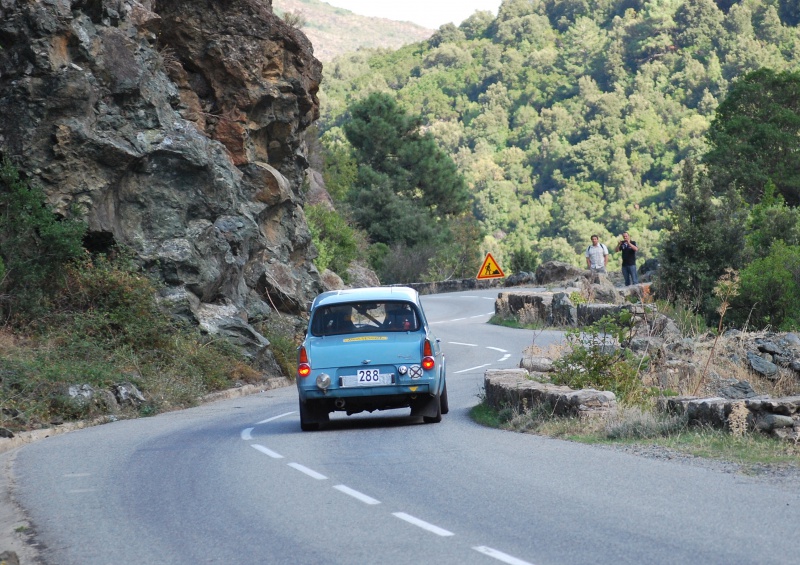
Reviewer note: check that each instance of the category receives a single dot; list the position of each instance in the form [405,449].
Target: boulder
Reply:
[563,311]
[762,366]
[558,271]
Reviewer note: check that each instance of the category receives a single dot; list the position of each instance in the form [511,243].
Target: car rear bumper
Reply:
[352,401]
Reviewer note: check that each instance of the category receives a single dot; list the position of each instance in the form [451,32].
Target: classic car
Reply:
[369,349]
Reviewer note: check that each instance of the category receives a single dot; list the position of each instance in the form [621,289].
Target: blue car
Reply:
[369,349]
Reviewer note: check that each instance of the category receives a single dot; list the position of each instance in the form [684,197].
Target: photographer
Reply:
[628,249]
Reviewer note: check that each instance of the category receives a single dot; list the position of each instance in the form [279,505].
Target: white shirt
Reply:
[596,254]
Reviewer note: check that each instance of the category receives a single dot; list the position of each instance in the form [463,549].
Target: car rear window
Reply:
[364,317]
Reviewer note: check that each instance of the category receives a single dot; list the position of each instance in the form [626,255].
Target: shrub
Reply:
[524,260]
[596,361]
[35,245]
[105,327]
[770,290]
[336,241]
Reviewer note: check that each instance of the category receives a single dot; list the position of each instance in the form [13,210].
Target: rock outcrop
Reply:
[174,128]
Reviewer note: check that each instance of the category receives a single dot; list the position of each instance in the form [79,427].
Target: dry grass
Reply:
[737,420]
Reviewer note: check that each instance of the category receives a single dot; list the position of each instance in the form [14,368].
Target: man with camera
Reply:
[628,249]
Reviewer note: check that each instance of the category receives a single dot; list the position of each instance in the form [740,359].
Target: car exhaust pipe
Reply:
[339,403]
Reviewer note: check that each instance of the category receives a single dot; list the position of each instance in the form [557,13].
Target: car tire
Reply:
[438,418]
[443,402]
[306,423]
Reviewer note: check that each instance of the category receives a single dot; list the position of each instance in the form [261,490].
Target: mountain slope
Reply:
[569,120]
[335,31]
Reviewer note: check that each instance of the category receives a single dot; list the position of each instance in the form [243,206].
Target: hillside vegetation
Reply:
[568,118]
[335,31]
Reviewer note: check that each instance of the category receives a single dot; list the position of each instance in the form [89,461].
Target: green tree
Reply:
[754,136]
[771,220]
[769,291]
[337,243]
[707,236]
[407,189]
[339,170]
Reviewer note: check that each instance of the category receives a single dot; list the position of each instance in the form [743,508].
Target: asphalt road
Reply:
[237,482]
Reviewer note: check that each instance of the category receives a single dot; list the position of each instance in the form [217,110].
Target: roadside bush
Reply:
[595,360]
[336,242]
[104,327]
[109,302]
[524,260]
[770,290]
[35,245]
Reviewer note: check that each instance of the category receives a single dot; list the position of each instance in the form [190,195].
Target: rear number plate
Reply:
[368,377]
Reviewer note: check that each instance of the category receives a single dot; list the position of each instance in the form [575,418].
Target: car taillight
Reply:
[303,367]
[428,362]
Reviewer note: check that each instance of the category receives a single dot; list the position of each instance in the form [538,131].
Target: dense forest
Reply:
[565,118]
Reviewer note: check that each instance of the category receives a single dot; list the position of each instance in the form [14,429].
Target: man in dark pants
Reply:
[628,249]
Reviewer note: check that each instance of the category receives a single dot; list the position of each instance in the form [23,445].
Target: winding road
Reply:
[237,482]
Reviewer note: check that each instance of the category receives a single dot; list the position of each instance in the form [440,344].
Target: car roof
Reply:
[369,293]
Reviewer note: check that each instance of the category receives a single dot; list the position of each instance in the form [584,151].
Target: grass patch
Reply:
[516,323]
[105,328]
[634,426]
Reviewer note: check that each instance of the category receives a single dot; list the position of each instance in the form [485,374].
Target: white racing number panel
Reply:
[367,377]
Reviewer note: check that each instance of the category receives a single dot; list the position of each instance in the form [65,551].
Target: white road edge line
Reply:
[478,316]
[472,368]
[358,495]
[310,472]
[266,451]
[275,418]
[422,524]
[459,343]
[457,319]
[500,556]
[487,297]
[497,349]
[246,434]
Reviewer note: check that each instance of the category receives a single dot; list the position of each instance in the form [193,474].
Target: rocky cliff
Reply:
[174,128]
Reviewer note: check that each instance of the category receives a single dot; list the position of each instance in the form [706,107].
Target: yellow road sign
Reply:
[490,269]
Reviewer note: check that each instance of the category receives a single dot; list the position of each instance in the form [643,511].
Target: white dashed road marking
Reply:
[422,524]
[496,349]
[500,556]
[466,344]
[357,495]
[472,369]
[310,472]
[275,417]
[246,434]
[266,451]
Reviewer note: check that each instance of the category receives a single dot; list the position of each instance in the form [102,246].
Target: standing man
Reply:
[628,249]
[597,256]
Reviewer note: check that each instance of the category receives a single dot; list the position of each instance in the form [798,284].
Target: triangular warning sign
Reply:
[490,269]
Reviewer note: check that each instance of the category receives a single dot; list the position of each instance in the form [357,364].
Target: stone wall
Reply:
[676,363]
[514,388]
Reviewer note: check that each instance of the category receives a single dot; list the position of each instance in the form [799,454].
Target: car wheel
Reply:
[305,419]
[443,400]
[438,418]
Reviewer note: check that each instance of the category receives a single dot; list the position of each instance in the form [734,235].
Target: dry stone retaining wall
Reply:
[513,387]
